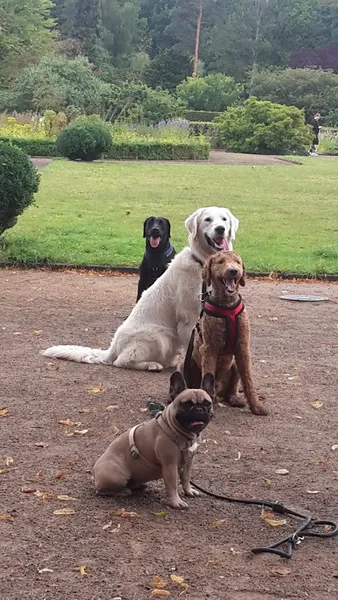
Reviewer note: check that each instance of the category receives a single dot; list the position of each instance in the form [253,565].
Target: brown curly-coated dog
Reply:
[221,339]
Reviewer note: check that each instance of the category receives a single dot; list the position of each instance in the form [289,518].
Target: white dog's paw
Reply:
[191,492]
[177,502]
[154,366]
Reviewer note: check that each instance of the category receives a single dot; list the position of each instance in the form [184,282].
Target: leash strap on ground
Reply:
[306,529]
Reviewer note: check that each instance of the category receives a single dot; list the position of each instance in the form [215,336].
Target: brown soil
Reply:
[295,348]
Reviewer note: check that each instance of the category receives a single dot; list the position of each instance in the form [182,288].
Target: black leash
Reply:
[306,529]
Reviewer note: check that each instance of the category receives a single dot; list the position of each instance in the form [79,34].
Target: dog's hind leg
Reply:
[229,393]
[134,358]
[243,360]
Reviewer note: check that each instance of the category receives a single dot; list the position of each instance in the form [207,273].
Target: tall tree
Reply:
[26,34]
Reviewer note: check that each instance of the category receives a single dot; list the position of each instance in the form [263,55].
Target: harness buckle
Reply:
[296,539]
[134,452]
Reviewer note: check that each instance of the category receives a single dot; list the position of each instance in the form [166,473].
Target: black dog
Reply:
[159,252]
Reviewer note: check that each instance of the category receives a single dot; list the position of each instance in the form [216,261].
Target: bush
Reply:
[328,146]
[209,130]
[311,89]
[201,115]
[211,93]
[264,128]
[33,147]
[85,139]
[197,149]
[19,181]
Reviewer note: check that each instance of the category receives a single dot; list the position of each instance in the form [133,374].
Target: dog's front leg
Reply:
[185,476]
[243,361]
[170,477]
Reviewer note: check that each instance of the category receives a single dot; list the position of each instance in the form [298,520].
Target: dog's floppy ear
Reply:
[242,279]
[208,384]
[234,224]
[191,223]
[206,273]
[145,226]
[177,385]
[168,226]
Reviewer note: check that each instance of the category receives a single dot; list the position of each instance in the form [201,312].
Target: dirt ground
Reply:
[295,349]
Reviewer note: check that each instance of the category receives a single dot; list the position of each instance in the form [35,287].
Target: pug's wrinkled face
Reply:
[192,408]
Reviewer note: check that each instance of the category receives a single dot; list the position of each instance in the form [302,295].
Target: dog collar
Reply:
[168,251]
[212,308]
[196,259]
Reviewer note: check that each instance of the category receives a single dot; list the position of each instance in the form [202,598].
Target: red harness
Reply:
[231,317]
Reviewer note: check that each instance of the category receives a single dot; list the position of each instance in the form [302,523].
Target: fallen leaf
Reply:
[143,410]
[52,366]
[69,423]
[96,390]
[280,571]
[159,593]
[313,491]
[294,377]
[159,583]
[64,511]
[185,588]
[9,461]
[238,456]
[334,447]
[317,404]
[107,526]
[80,431]
[116,430]
[60,475]
[65,498]
[41,444]
[6,518]
[39,477]
[45,495]
[268,481]
[269,518]
[234,552]
[239,495]
[3,412]
[328,528]
[82,570]
[177,579]
[114,407]
[321,462]
[45,570]
[87,410]
[273,318]
[160,513]
[281,472]
[217,523]
[37,331]
[116,529]
[28,490]
[17,333]
[124,513]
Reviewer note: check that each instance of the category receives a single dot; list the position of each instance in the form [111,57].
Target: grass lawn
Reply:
[93,213]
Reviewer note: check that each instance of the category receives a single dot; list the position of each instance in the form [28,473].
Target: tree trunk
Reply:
[197,39]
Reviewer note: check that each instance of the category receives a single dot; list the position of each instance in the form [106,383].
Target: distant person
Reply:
[316,128]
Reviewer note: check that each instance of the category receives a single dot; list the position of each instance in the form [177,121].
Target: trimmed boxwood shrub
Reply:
[85,139]
[19,181]
[34,147]
[201,115]
[160,150]
[143,150]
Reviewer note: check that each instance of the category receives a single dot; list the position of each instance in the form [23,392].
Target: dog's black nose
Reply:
[220,229]
[199,409]
[155,232]
[233,272]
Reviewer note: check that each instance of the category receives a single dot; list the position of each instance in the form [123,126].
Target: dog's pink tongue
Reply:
[154,242]
[223,243]
[231,283]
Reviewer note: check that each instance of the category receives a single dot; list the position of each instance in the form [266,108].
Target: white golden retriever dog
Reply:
[162,321]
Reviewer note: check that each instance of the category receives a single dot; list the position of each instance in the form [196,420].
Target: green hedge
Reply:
[34,147]
[160,150]
[201,115]
[143,150]
[208,129]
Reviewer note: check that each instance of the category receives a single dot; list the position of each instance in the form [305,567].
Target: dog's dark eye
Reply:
[206,404]
[224,219]
[188,404]
[207,219]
